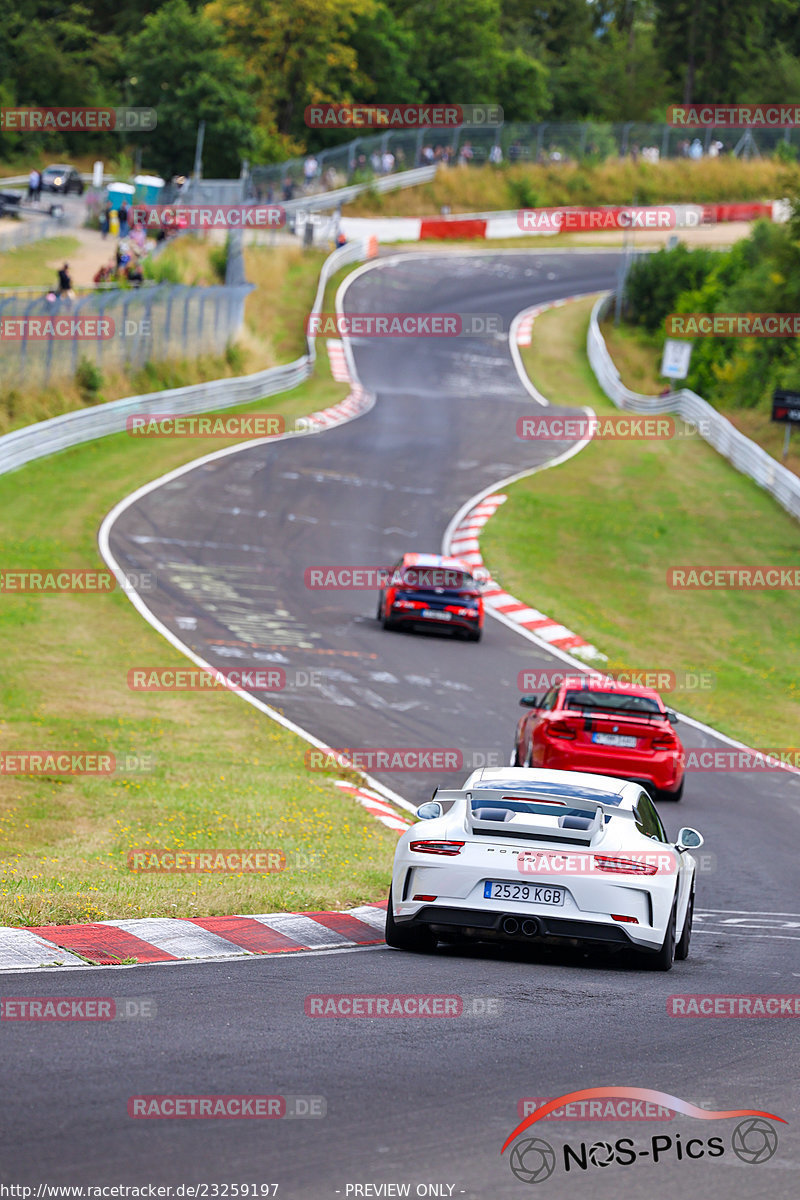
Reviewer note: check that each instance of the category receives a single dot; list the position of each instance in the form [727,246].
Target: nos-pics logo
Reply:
[533,1159]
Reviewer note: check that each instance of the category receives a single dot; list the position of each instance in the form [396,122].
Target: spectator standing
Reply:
[696,149]
[105,219]
[310,167]
[123,220]
[496,155]
[387,162]
[34,186]
[65,283]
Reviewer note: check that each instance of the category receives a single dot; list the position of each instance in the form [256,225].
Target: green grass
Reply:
[223,776]
[672,181]
[590,542]
[28,265]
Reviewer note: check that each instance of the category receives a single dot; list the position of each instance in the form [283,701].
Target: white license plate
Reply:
[434,615]
[534,893]
[613,739]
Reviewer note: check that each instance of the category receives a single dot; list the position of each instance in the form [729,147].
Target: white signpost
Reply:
[675,359]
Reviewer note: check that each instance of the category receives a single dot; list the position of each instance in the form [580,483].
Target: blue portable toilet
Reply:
[117,192]
[148,189]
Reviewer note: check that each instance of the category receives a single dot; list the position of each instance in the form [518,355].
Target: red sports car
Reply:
[586,724]
[434,591]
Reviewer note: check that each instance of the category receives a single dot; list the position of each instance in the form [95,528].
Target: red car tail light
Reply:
[448,848]
[459,611]
[664,741]
[625,866]
[628,920]
[408,604]
[562,729]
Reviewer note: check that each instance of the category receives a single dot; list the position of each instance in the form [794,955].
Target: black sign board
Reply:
[786,407]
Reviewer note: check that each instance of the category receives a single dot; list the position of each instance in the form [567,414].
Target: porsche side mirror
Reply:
[429,810]
[689,839]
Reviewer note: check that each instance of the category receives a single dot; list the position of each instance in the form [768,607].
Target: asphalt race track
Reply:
[410,1101]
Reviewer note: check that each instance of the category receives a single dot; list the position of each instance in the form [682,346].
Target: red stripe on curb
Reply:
[249,934]
[103,944]
[349,927]
[434,227]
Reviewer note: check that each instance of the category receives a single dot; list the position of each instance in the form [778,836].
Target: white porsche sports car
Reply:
[521,854]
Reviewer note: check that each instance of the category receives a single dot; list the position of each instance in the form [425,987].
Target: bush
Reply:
[218,260]
[89,379]
[655,282]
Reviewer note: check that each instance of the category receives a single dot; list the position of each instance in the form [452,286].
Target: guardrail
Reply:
[72,429]
[739,450]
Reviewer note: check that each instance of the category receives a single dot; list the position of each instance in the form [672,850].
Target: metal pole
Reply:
[786,437]
[198,151]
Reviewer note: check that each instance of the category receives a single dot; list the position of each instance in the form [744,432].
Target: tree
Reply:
[178,65]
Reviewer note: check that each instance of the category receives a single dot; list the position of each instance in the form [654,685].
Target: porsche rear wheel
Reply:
[682,948]
[417,939]
[663,960]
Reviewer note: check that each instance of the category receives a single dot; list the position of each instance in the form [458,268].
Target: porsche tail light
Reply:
[627,920]
[624,866]
[436,847]
[420,896]
[562,729]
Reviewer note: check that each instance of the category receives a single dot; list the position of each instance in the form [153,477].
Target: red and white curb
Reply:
[524,328]
[338,361]
[174,939]
[359,401]
[464,545]
[375,805]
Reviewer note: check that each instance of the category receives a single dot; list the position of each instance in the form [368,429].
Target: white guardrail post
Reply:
[24,445]
[739,450]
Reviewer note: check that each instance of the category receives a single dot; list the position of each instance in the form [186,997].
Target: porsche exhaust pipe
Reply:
[530,928]
[510,925]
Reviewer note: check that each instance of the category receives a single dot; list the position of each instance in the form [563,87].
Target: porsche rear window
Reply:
[560,791]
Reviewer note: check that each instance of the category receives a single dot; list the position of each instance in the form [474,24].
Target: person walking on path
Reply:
[65,283]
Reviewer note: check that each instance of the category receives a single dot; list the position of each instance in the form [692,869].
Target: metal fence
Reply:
[59,433]
[363,159]
[739,450]
[110,328]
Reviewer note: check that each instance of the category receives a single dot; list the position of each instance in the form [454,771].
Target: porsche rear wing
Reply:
[517,814]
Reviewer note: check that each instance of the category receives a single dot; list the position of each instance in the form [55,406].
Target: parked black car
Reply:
[59,178]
